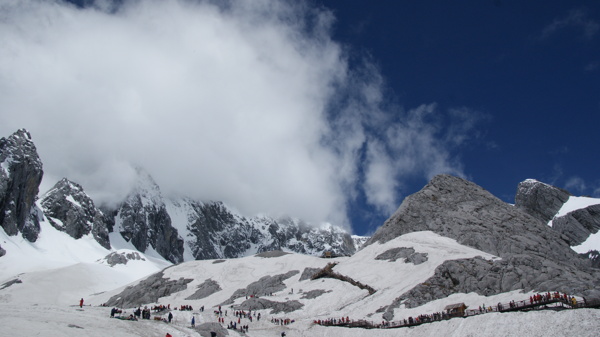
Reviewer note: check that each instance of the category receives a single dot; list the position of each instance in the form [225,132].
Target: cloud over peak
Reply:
[252,103]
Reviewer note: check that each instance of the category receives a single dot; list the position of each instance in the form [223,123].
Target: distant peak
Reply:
[22,133]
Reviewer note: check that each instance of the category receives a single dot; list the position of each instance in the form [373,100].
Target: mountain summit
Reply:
[20,177]
[533,255]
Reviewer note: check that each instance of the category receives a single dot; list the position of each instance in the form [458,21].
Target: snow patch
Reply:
[70,199]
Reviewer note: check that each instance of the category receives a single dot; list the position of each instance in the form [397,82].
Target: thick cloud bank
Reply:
[251,103]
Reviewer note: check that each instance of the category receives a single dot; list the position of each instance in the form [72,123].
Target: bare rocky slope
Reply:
[534,256]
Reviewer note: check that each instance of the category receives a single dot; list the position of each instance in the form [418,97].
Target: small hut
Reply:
[455,310]
[327,254]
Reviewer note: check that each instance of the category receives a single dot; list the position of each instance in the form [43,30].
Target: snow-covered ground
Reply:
[57,267]
[67,321]
[45,303]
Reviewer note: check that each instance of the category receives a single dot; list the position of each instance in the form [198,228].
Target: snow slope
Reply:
[66,266]
[46,301]
[573,204]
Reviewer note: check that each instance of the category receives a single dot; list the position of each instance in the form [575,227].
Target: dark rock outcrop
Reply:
[116,258]
[205,329]
[256,303]
[492,277]
[594,257]
[534,256]
[407,253]
[20,177]
[207,288]
[264,286]
[69,209]
[308,273]
[540,200]
[2,251]
[578,225]
[312,294]
[327,272]
[461,210]
[10,283]
[217,232]
[144,221]
[272,253]
[148,291]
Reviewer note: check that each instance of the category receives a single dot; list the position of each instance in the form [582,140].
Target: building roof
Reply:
[455,306]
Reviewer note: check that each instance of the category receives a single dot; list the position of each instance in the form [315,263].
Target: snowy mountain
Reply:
[143,220]
[452,243]
[20,177]
[212,230]
[176,229]
[69,209]
[280,286]
[181,229]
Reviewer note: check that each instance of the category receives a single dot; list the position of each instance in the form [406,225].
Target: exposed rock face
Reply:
[205,329]
[534,256]
[543,201]
[116,258]
[264,286]
[491,277]
[217,232]
[2,251]
[594,257]
[272,254]
[10,283]
[308,273]
[312,294]
[578,225]
[69,209]
[256,303]
[461,210]
[408,254]
[20,177]
[143,220]
[206,289]
[148,290]
[540,200]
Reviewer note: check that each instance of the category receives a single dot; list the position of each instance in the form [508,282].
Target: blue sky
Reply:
[325,110]
[532,68]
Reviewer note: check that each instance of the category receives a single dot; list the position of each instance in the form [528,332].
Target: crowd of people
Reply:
[535,301]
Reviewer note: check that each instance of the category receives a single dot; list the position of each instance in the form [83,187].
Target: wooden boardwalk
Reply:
[553,301]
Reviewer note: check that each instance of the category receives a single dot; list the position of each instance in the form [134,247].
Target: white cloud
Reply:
[575,18]
[575,184]
[251,103]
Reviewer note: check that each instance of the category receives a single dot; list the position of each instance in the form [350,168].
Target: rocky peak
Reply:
[540,200]
[68,208]
[579,224]
[143,220]
[218,232]
[534,257]
[544,202]
[20,177]
[461,210]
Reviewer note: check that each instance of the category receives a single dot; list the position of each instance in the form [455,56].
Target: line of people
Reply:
[539,299]
[282,321]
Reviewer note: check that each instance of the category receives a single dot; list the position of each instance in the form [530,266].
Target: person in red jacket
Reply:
[81,303]
[168,335]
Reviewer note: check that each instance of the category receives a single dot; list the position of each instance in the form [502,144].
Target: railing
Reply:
[540,302]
